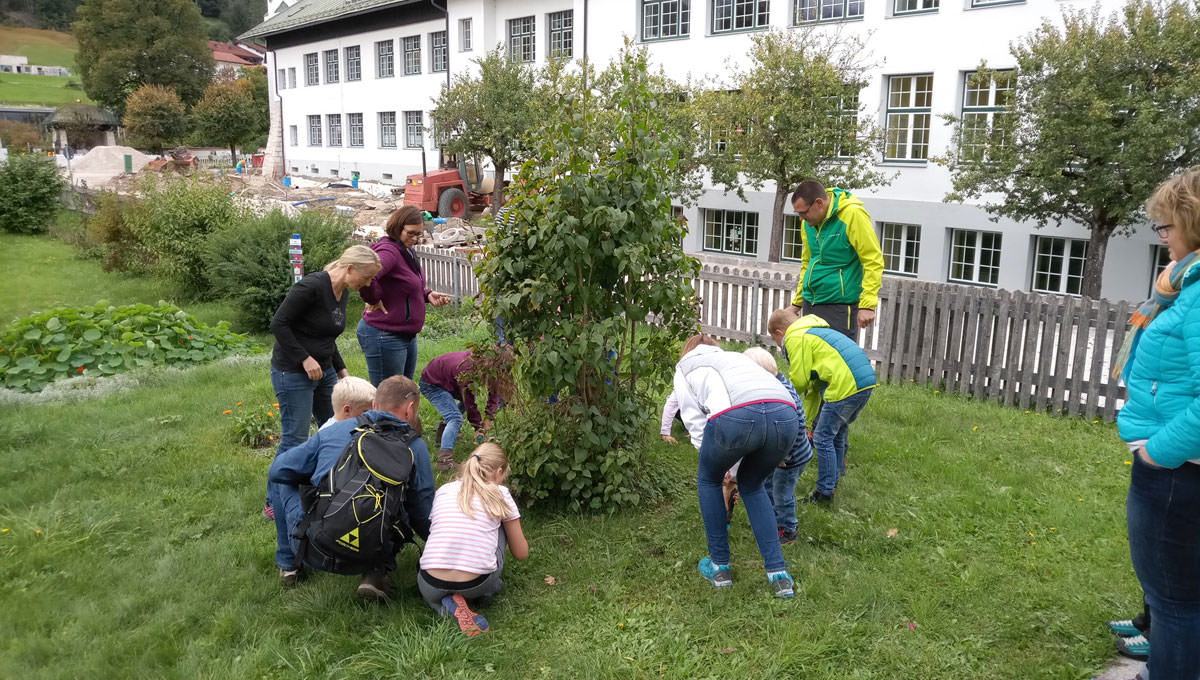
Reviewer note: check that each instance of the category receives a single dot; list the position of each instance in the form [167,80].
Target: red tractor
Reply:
[448,192]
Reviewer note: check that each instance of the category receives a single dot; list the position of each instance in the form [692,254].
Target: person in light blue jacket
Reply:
[1161,424]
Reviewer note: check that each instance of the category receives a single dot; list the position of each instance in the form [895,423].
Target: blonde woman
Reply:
[473,519]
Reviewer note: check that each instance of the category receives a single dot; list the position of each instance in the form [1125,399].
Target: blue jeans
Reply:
[387,354]
[781,483]
[1163,513]
[285,501]
[760,435]
[300,400]
[830,435]
[448,408]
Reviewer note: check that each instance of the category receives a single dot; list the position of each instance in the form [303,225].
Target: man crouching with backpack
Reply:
[348,499]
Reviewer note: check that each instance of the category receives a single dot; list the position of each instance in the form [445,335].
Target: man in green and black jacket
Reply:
[841,265]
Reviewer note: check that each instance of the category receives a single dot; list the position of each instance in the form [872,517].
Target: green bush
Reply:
[103,339]
[30,194]
[179,216]
[249,265]
[112,231]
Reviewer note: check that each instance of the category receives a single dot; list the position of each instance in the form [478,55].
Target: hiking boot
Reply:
[374,586]
[1124,627]
[290,577]
[782,584]
[468,621]
[445,460]
[788,536]
[818,498]
[717,574]
[437,438]
[1136,647]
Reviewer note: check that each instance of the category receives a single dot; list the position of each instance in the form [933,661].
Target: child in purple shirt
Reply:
[447,381]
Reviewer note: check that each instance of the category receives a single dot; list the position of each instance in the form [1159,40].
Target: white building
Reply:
[356,80]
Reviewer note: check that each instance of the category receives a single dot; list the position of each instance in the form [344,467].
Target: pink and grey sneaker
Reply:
[468,621]
[268,511]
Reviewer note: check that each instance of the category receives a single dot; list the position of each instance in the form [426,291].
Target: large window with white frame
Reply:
[385,59]
[814,11]
[1160,257]
[414,130]
[354,121]
[901,245]
[666,19]
[314,130]
[291,78]
[438,52]
[793,239]
[731,231]
[974,257]
[281,79]
[464,35]
[1058,265]
[387,129]
[914,6]
[353,63]
[333,128]
[739,15]
[560,29]
[312,69]
[332,67]
[412,55]
[986,108]
[521,39]
[990,3]
[839,141]
[909,109]
[294,135]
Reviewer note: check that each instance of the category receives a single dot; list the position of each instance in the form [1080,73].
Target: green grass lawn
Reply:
[44,48]
[33,90]
[967,541]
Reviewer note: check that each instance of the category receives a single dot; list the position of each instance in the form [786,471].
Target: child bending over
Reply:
[472,520]
[447,383]
[351,398]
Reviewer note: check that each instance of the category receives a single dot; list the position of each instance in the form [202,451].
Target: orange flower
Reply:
[276,404]
[79,370]
[269,414]
[239,403]
[225,413]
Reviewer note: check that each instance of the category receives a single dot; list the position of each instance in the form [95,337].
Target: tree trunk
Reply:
[498,189]
[776,248]
[233,154]
[1093,264]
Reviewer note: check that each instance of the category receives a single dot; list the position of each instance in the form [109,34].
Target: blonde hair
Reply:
[763,358]
[478,475]
[781,319]
[355,391]
[697,340]
[360,256]
[1177,201]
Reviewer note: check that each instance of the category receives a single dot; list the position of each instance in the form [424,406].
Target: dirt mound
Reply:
[109,159]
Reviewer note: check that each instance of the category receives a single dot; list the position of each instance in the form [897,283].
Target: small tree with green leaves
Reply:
[589,277]
[793,113]
[1103,110]
[154,117]
[227,114]
[488,114]
[32,193]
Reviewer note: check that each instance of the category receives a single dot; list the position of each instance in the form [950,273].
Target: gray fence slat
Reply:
[1115,389]
[1104,318]
[1012,348]
[886,318]
[982,349]
[1036,313]
[999,341]
[1074,334]
[954,346]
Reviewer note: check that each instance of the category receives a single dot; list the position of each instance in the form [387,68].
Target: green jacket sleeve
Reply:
[861,235]
[800,373]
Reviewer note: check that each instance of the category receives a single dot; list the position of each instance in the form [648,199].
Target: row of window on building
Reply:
[672,19]
[328,130]
[974,256]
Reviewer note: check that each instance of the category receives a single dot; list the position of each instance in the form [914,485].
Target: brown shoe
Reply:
[437,438]
[375,586]
[445,460]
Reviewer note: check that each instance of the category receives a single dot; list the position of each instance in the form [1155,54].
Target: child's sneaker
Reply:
[782,584]
[468,621]
[1136,647]
[289,577]
[1123,627]
[717,574]
[268,511]
[787,536]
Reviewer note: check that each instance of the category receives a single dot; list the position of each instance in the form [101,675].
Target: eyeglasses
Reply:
[1161,229]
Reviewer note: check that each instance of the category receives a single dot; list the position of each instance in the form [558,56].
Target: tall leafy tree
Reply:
[489,114]
[791,113]
[155,117]
[228,115]
[1103,110]
[124,44]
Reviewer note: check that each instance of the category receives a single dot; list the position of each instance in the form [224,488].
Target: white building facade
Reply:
[356,81]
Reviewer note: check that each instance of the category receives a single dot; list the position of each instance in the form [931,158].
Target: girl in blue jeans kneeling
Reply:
[735,411]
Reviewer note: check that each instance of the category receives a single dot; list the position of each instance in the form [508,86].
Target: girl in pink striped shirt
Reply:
[473,519]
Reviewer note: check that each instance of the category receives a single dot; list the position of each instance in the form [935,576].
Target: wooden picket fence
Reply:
[1027,350]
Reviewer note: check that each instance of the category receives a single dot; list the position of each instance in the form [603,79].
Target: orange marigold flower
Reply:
[269,414]
[239,403]
[226,412]
[276,404]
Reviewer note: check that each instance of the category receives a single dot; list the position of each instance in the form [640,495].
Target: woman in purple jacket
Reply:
[396,300]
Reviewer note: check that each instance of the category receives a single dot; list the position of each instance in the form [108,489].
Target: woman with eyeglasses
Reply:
[1160,422]
[396,299]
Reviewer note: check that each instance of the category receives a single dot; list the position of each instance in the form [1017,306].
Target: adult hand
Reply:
[439,299]
[312,368]
[865,317]
[377,307]
[796,308]
[1145,458]
[669,439]
[342,374]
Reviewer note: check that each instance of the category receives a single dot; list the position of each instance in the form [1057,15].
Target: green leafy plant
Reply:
[104,340]
[31,194]
[111,231]
[248,262]
[255,427]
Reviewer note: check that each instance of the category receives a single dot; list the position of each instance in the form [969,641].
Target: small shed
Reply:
[83,126]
